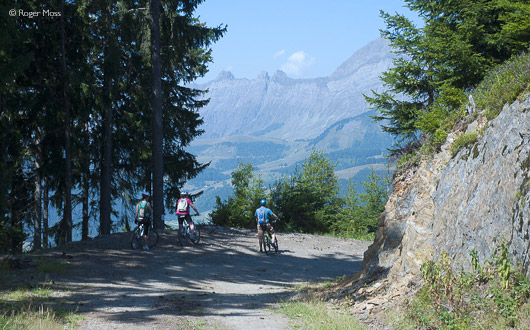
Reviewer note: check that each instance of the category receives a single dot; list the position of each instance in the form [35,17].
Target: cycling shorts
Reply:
[268,227]
[146,222]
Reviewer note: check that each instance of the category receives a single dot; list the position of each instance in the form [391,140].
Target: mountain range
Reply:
[274,122]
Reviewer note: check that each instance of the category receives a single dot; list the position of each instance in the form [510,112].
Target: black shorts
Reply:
[146,222]
[188,218]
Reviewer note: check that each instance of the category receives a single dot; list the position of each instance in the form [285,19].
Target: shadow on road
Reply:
[223,273]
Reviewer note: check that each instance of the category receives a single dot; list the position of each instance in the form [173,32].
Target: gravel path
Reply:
[221,283]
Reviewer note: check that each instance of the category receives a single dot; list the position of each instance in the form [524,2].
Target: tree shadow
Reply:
[222,274]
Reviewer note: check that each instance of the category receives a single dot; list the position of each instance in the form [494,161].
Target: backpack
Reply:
[261,216]
[182,205]
[142,209]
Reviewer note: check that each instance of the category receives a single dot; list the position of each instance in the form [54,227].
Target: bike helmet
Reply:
[184,193]
[262,202]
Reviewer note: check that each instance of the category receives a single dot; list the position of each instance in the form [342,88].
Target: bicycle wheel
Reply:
[267,243]
[196,236]
[152,238]
[136,239]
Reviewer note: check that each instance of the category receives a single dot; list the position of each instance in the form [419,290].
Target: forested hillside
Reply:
[94,110]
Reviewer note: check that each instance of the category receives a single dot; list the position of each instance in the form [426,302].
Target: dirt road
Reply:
[222,283]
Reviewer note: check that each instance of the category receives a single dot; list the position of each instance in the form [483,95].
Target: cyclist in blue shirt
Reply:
[263,215]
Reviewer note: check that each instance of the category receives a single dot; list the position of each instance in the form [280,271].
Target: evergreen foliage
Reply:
[438,63]
[362,210]
[306,200]
[238,210]
[75,101]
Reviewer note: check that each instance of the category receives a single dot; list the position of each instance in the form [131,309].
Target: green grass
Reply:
[42,319]
[463,141]
[21,294]
[28,299]
[319,316]
[361,236]
[52,266]
[30,320]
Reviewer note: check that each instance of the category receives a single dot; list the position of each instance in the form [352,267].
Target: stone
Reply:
[471,201]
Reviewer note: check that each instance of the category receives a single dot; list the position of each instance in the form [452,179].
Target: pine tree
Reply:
[238,210]
[436,64]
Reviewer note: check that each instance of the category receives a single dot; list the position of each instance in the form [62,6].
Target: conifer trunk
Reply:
[157,142]
[3,162]
[85,202]
[68,226]
[45,202]
[106,159]
[37,197]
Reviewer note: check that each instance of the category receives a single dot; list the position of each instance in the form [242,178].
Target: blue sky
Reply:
[304,38]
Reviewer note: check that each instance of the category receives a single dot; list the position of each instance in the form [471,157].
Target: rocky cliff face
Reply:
[471,201]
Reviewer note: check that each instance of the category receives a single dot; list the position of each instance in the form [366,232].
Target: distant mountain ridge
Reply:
[287,108]
[274,122]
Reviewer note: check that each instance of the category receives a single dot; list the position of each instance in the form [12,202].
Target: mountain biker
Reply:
[262,220]
[183,211]
[143,216]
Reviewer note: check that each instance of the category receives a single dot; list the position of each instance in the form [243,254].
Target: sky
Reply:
[303,38]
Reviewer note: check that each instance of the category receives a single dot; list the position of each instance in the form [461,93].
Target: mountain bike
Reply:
[137,241]
[268,245]
[185,233]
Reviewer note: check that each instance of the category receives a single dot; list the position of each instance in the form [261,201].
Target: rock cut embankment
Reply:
[454,204]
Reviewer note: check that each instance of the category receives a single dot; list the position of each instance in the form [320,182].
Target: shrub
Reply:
[503,85]
[490,296]
[463,141]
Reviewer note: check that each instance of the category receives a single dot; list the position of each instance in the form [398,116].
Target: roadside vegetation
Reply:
[307,200]
[494,295]
[317,315]
[30,300]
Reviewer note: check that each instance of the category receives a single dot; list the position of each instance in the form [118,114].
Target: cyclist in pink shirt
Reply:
[183,211]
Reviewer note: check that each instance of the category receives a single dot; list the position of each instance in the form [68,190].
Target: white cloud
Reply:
[279,53]
[297,63]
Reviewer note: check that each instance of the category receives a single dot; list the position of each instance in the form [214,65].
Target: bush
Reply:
[463,141]
[11,238]
[503,85]
[489,297]
[238,211]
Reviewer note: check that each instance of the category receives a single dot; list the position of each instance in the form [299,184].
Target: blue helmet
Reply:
[262,202]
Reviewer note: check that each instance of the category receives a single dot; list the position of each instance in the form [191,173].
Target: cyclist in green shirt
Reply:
[143,216]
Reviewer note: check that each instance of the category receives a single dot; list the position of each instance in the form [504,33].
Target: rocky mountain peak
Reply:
[293,108]
[375,52]
[225,75]
[263,75]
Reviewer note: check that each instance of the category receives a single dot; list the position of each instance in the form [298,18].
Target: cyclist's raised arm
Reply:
[193,207]
[149,208]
